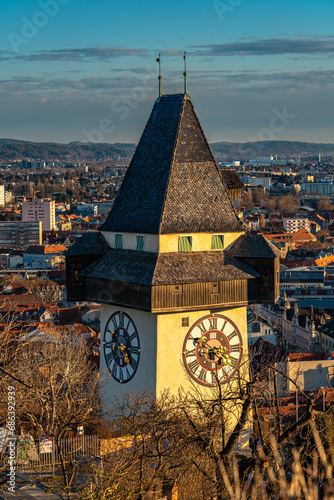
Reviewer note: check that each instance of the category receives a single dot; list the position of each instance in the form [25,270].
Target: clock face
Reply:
[121,347]
[212,350]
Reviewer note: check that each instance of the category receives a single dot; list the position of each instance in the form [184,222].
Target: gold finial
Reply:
[159,77]
[185,74]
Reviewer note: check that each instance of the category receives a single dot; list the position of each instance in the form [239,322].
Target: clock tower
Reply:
[172,265]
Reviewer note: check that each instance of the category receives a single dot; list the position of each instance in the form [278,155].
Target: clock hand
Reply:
[218,351]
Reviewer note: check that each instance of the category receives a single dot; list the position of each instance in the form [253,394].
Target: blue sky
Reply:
[78,70]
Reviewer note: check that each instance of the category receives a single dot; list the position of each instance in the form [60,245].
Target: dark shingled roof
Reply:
[231,178]
[253,246]
[89,244]
[168,268]
[173,184]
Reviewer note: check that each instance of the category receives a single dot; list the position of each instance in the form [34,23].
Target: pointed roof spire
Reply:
[173,184]
[185,74]
[159,77]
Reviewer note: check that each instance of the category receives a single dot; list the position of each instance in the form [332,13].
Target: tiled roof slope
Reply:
[253,246]
[89,244]
[231,178]
[168,268]
[172,184]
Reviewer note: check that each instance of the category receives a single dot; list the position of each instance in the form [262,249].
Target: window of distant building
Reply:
[256,328]
[139,243]
[185,243]
[217,242]
[118,241]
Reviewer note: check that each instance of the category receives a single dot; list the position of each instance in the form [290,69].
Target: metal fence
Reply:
[44,453]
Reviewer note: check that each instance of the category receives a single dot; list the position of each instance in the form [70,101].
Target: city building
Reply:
[2,195]
[40,210]
[295,327]
[325,337]
[319,188]
[249,180]
[259,327]
[87,209]
[289,241]
[43,256]
[311,372]
[20,235]
[294,224]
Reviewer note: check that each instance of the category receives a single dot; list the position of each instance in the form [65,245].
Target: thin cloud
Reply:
[84,54]
[271,46]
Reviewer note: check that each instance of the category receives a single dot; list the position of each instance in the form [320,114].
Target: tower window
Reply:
[140,243]
[118,241]
[185,243]
[218,242]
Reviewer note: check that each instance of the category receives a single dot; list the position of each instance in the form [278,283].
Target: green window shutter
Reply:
[218,242]
[118,241]
[140,243]
[185,244]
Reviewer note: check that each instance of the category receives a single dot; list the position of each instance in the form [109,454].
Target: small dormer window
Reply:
[139,243]
[218,242]
[185,243]
[118,241]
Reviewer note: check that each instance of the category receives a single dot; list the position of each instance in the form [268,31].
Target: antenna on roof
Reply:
[159,77]
[185,74]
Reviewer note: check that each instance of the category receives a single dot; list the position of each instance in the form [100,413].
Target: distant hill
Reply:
[247,150]
[12,149]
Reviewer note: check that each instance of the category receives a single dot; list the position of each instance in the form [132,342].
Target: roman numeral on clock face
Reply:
[121,320]
[114,321]
[133,362]
[224,324]
[114,370]
[134,349]
[201,326]
[235,348]
[232,335]
[233,362]
[193,365]
[212,323]
[109,358]
[202,375]
[191,353]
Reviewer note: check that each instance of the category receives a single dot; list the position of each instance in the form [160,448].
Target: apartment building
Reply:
[2,195]
[40,210]
[294,224]
[19,235]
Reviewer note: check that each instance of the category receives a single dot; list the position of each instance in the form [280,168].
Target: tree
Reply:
[288,204]
[259,194]
[271,205]
[324,204]
[56,385]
